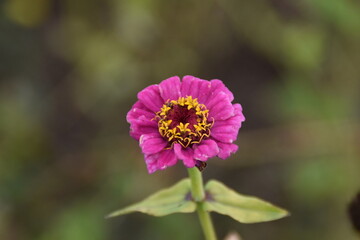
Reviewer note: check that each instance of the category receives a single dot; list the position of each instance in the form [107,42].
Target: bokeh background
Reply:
[70,71]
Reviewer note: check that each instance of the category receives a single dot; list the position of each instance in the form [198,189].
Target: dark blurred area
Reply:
[70,71]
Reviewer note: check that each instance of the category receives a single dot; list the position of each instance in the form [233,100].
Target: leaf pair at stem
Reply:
[218,198]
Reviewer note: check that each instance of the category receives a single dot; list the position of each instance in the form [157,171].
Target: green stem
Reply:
[198,194]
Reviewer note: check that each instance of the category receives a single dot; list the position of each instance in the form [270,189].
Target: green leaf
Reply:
[167,201]
[244,209]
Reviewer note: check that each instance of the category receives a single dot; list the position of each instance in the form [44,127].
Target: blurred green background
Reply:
[70,71]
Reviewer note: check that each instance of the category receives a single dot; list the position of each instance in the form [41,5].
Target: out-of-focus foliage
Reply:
[70,70]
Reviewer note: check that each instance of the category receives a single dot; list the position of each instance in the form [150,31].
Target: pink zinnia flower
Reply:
[190,120]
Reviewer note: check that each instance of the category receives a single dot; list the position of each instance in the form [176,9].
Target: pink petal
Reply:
[151,98]
[195,87]
[166,158]
[137,110]
[218,86]
[152,143]
[170,88]
[141,126]
[140,119]
[225,134]
[151,163]
[238,111]
[226,149]
[204,91]
[190,86]
[185,154]
[205,150]
[220,107]
[226,131]
[160,160]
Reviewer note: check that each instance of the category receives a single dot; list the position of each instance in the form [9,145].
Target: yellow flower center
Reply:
[184,121]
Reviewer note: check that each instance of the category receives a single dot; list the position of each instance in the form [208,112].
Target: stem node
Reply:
[198,195]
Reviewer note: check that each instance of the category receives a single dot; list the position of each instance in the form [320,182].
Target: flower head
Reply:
[190,120]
